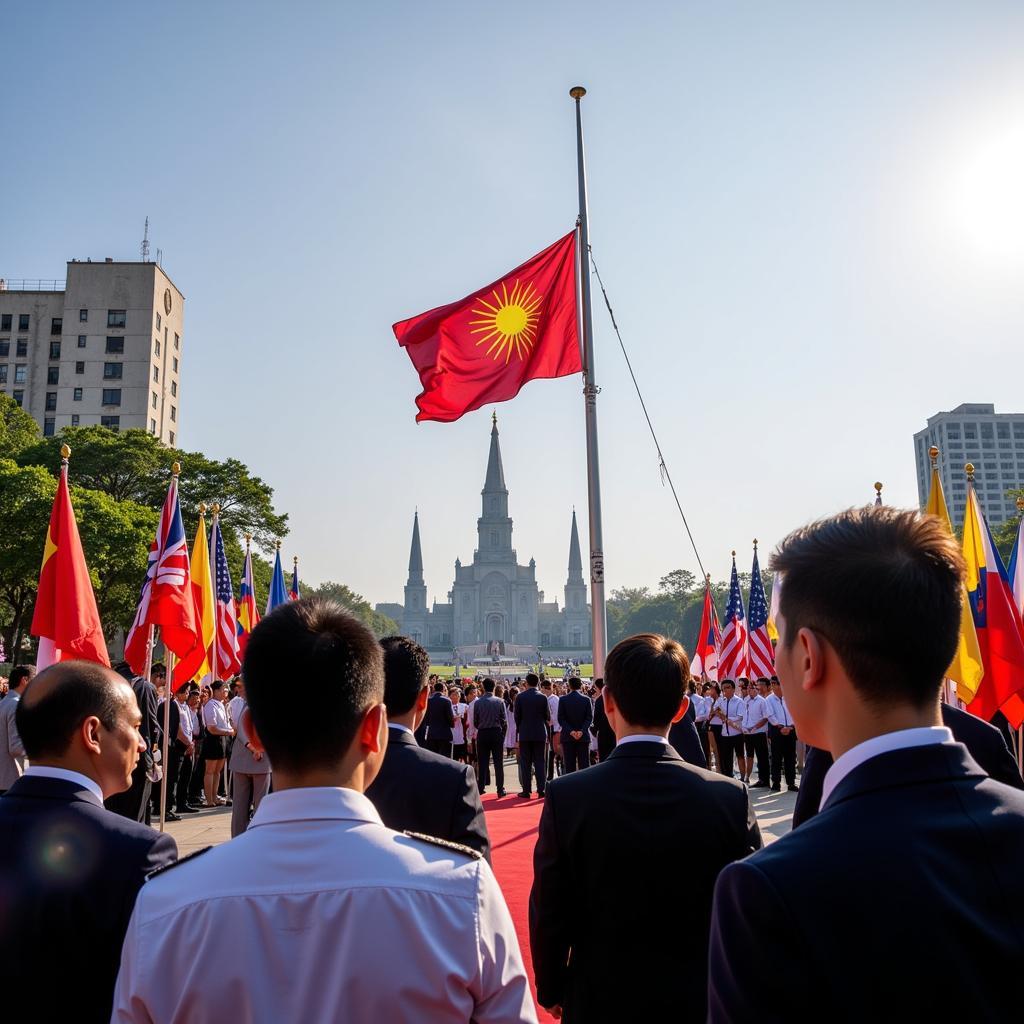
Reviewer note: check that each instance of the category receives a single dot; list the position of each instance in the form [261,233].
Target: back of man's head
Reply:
[21,675]
[646,676]
[575,682]
[489,685]
[313,639]
[599,682]
[532,679]
[439,687]
[406,668]
[545,684]
[882,587]
[59,700]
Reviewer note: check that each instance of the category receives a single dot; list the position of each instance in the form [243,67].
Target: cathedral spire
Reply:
[495,480]
[415,554]
[575,561]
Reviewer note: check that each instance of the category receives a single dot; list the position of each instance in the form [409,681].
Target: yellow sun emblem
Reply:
[511,323]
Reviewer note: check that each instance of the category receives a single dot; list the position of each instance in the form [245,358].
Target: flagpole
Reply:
[169,685]
[216,633]
[590,391]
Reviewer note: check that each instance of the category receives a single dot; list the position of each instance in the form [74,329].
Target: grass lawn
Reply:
[447,671]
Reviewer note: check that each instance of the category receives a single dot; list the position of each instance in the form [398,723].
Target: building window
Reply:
[23,321]
[55,350]
[83,316]
[19,374]
[171,437]
[53,375]
[3,373]
[22,347]
[157,349]
[113,371]
[116,318]
[76,395]
[152,426]
[51,401]
[56,325]
[154,399]
[115,346]
[111,422]
[18,396]
[177,341]
[81,341]
[5,348]
[174,364]
[5,321]
[75,419]
[174,388]
[156,374]
[174,414]
[158,321]
[49,425]
[80,367]
[111,396]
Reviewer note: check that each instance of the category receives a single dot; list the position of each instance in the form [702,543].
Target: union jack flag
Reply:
[732,661]
[166,599]
[760,653]
[226,630]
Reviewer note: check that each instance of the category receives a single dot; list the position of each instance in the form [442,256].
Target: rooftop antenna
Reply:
[145,243]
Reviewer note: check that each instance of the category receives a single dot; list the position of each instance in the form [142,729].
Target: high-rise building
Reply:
[102,347]
[992,441]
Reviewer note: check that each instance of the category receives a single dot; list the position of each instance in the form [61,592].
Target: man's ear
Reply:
[250,729]
[373,730]
[811,659]
[684,705]
[89,733]
[421,700]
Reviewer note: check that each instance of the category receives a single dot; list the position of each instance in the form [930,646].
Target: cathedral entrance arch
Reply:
[495,628]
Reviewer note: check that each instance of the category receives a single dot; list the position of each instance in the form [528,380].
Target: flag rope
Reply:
[662,466]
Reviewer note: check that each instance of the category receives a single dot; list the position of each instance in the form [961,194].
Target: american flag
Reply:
[759,645]
[732,661]
[226,631]
[166,599]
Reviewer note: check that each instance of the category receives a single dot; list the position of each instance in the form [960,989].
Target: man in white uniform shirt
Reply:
[554,729]
[782,736]
[328,914]
[728,710]
[755,734]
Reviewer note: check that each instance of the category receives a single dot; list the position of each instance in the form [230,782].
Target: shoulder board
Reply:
[177,863]
[446,844]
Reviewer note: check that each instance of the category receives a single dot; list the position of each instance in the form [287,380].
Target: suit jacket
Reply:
[532,713]
[984,742]
[440,718]
[69,875]
[417,790]
[12,753]
[618,929]
[913,864]
[603,731]
[242,759]
[575,712]
[684,737]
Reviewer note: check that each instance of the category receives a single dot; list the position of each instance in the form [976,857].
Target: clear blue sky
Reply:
[809,216]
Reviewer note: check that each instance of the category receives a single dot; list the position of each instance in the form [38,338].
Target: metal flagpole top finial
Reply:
[969,470]
[878,488]
[933,454]
[734,554]
[755,543]
[577,92]
[202,508]
[216,508]
[176,468]
[65,452]
[295,560]
[278,545]
[494,416]
[1020,504]
[248,537]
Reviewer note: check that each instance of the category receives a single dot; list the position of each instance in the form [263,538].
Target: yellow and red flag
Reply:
[485,347]
[66,618]
[198,662]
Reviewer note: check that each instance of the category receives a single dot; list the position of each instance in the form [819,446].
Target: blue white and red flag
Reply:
[293,594]
[709,641]
[226,630]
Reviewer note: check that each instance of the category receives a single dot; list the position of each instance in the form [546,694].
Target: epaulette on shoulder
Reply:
[446,844]
[177,863]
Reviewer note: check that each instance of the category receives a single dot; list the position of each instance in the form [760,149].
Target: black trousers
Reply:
[728,748]
[531,759]
[179,795]
[440,746]
[702,733]
[783,756]
[756,745]
[575,753]
[196,783]
[552,761]
[489,746]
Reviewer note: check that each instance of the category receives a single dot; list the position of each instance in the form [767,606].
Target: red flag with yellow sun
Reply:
[485,347]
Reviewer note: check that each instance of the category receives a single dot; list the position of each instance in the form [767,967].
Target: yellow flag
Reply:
[967,668]
[202,588]
[773,607]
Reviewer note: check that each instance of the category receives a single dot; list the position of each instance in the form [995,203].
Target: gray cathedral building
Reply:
[494,606]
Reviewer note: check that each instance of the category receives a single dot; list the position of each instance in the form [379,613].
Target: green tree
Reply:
[1005,535]
[678,583]
[382,625]
[17,429]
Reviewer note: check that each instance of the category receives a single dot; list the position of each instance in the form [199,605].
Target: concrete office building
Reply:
[103,347]
[976,433]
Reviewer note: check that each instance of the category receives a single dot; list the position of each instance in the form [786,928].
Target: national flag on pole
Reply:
[293,594]
[66,619]
[166,600]
[226,634]
[1015,570]
[248,614]
[995,619]
[278,594]
[761,654]
[967,668]
[709,640]
[198,663]
[773,607]
[732,659]
[485,347]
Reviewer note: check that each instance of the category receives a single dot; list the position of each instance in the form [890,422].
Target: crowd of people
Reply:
[362,888]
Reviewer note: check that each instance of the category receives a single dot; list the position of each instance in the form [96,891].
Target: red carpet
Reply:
[512,824]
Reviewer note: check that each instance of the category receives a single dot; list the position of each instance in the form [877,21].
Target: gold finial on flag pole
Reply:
[933,454]
[278,545]
[1020,504]
[216,508]
[65,453]
[734,554]
[175,468]
[202,508]
[755,543]
[969,470]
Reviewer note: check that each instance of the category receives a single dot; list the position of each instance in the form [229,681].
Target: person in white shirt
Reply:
[728,710]
[12,753]
[554,729]
[755,734]
[236,702]
[218,729]
[459,728]
[782,737]
[328,914]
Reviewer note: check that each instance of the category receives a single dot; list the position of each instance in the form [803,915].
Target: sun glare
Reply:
[510,323]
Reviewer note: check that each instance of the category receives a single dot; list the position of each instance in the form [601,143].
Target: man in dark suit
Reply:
[914,859]
[489,718]
[984,743]
[134,802]
[440,719]
[69,869]
[685,740]
[602,730]
[575,716]
[608,856]
[418,790]
[533,715]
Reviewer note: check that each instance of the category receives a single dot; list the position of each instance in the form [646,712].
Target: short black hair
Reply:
[647,675]
[314,639]
[851,577]
[439,687]
[185,686]
[158,668]
[406,666]
[532,679]
[18,673]
[575,682]
[599,682]
[218,684]
[79,690]
[489,685]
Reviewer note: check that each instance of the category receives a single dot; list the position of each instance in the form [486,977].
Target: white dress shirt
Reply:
[701,707]
[755,710]
[889,741]
[215,714]
[195,721]
[778,711]
[185,722]
[41,771]
[642,738]
[235,707]
[317,902]
[459,729]
[553,705]
[12,752]
[733,708]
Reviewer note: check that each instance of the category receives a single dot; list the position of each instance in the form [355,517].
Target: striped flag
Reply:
[226,637]
[709,641]
[196,664]
[247,614]
[732,661]
[759,643]
[278,594]
[773,607]
[293,594]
